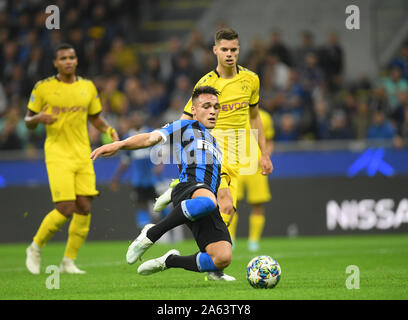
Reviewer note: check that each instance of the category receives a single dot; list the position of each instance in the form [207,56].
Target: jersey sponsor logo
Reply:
[234,106]
[205,145]
[57,110]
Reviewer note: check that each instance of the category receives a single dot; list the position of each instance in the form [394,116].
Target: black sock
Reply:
[173,219]
[185,262]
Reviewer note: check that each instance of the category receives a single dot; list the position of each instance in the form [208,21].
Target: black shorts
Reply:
[208,229]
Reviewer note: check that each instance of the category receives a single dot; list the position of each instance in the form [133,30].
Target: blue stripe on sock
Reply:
[205,263]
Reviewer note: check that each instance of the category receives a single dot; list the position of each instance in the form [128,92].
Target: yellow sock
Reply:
[233,226]
[77,233]
[52,222]
[256,225]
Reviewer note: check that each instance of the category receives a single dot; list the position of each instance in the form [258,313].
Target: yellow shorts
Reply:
[256,187]
[229,179]
[71,179]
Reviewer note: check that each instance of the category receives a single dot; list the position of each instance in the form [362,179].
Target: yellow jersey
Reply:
[237,95]
[71,103]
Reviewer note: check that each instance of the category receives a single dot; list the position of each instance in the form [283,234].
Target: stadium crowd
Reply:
[303,87]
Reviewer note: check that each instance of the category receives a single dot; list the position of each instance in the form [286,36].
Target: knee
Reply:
[222,260]
[83,205]
[66,208]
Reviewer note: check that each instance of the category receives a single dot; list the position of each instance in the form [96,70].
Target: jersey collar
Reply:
[218,75]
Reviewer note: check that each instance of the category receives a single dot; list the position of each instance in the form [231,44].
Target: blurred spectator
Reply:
[393,83]
[3,100]
[306,46]
[168,58]
[287,130]
[13,132]
[402,138]
[122,55]
[339,129]
[380,127]
[277,71]
[197,48]
[401,60]
[256,56]
[399,113]
[158,98]
[322,120]
[311,75]
[331,61]
[175,110]
[361,120]
[277,47]
[183,89]
[136,94]
[111,97]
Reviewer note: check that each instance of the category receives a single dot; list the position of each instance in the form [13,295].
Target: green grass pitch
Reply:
[312,268]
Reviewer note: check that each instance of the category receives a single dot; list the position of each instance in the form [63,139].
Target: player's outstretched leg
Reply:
[163,200]
[199,262]
[139,246]
[156,265]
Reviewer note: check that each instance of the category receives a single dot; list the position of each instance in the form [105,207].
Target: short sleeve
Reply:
[169,129]
[254,100]
[36,102]
[95,105]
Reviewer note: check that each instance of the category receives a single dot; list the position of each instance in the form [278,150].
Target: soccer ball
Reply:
[263,272]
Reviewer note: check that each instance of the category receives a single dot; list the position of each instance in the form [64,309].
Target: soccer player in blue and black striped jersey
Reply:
[194,198]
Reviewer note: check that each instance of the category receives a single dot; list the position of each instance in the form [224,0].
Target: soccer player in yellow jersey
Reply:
[257,185]
[239,98]
[64,103]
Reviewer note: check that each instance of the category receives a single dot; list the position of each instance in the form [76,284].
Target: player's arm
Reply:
[139,141]
[103,126]
[32,119]
[256,123]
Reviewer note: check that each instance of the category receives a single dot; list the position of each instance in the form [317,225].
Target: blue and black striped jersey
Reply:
[196,152]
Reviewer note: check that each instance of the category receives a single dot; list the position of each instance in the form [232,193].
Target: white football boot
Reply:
[139,246]
[68,266]
[156,265]
[218,276]
[164,199]
[33,258]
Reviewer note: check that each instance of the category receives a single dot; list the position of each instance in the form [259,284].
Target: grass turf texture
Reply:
[312,268]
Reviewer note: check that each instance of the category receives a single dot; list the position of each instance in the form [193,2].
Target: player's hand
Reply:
[266,165]
[46,118]
[105,151]
[111,132]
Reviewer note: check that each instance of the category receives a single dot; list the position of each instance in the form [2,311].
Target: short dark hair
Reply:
[62,46]
[225,34]
[204,90]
